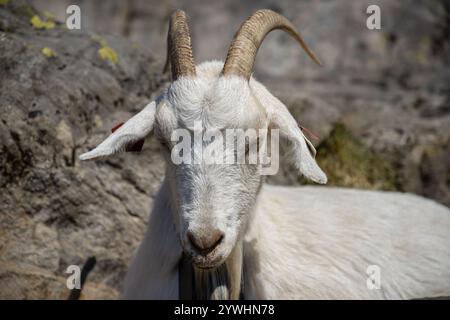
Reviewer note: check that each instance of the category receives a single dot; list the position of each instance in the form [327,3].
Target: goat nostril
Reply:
[218,237]
[191,238]
[206,243]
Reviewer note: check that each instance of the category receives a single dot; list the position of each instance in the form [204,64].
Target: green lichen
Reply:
[349,163]
[49,53]
[107,53]
[99,40]
[38,23]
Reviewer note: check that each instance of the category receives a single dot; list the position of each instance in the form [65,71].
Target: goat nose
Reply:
[206,242]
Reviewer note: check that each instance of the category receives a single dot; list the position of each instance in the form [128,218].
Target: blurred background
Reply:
[380,106]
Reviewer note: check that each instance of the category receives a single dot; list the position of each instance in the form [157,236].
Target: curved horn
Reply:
[179,49]
[248,39]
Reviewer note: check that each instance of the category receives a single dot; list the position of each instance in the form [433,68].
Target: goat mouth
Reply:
[205,267]
[205,263]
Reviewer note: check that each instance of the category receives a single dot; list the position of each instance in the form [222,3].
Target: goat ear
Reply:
[126,136]
[300,151]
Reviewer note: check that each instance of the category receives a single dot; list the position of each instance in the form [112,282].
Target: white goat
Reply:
[217,232]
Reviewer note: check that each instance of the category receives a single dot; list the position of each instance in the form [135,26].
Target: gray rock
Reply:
[388,87]
[56,211]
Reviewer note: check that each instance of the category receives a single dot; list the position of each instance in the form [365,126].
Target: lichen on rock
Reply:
[54,210]
[349,163]
[38,23]
[107,53]
[49,53]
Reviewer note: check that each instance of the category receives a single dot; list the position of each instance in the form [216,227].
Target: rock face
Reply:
[56,211]
[388,88]
[381,105]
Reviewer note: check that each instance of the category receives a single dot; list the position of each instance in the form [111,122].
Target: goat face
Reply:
[212,195]
[212,198]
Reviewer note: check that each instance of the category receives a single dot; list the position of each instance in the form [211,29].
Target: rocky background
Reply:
[380,105]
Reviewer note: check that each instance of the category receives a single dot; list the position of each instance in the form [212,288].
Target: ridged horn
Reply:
[247,40]
[179,49]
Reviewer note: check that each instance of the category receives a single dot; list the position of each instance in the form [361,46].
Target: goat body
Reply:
[245,239]
[316,243]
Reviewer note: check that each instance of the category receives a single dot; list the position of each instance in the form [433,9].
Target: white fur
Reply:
[311,243]
[154,271]
[316,243]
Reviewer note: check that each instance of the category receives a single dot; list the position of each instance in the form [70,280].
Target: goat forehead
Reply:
[218,103]
[208,175]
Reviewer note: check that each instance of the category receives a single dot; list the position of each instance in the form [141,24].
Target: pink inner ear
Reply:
[117,126]
[309,133]
[131,147]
